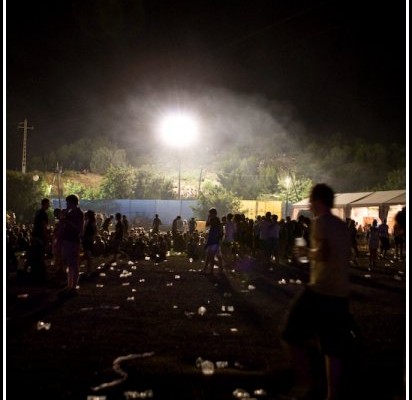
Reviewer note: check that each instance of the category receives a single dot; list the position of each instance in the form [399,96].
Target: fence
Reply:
[142,212]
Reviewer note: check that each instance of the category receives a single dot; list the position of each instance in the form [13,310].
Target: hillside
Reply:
[189,181]
[88,180]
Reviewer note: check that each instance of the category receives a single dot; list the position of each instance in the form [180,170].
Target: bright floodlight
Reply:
[178,130]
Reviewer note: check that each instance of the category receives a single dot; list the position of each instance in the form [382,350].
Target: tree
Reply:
[118,183]
[23,195]
[119,158]
[216,196]
[293,189]
[101,160]
[394,180]
[148,185]
[71,187]
[247,178]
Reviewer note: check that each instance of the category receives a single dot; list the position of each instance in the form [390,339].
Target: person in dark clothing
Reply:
[118,236]
[214,238]
[89,234]
[72,231]
[39,239]
[125,225]
[320,313]
[106,224]
[156,224]
[192,226]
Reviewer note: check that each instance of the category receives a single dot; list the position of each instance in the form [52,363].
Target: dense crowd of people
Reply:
[112,236]
[327,242]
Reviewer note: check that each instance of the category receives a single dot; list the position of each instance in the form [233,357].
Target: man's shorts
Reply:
[321,317]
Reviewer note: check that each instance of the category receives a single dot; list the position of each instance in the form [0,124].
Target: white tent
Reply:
[341,209]
[363,207]
[381,205]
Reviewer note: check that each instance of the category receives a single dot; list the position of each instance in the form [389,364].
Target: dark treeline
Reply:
[347,165]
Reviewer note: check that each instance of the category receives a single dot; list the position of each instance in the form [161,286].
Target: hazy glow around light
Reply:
[178,130]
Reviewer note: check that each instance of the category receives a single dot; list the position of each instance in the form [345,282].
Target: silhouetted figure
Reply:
[117,236]
[214,237]
[156,224]
[320,313]
[373,243]
[89,234]
[72,230]
[39,240]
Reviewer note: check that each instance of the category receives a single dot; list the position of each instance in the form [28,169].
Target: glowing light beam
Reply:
[178,130]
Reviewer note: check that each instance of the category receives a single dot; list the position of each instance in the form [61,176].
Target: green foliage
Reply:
[294,191]
[131,183]
[103,157]
[347,165]
[149,185]
[351,166]
[101,160]
[119,158]
[247,177]
[71,187]
[394,180]
[216,196]
[83,192]
[118,183]
[24,195]
[95,154]
[268,178]
[92,193]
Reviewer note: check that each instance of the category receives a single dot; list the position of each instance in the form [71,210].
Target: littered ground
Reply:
[135,330]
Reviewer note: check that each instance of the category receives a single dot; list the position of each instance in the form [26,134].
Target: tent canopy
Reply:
[346,203]
[381,197]
[397,200]
[343,199]
[363,199]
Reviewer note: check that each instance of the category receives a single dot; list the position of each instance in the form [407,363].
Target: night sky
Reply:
[87,68]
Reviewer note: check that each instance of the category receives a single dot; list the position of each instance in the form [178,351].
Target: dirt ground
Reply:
[149,315]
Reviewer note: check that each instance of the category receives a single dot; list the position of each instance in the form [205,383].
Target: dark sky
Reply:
[92,67]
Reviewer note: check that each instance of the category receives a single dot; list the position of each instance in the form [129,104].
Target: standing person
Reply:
[274,238]
[321,311]
[383,230]
[118,236]
[176,223]
[89,235]
[229,239]
[72,231]
[57,243]
[125,225]
[39,240]
[192,226]
[373,243]
[185,227]
[179,225]
[264,236]
[156,224]
[99,222]
[213,241]
[399,237]
[106,223]
[353,234]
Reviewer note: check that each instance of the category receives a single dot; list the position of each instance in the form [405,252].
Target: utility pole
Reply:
[23,125]
[59,190]
[200,182]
